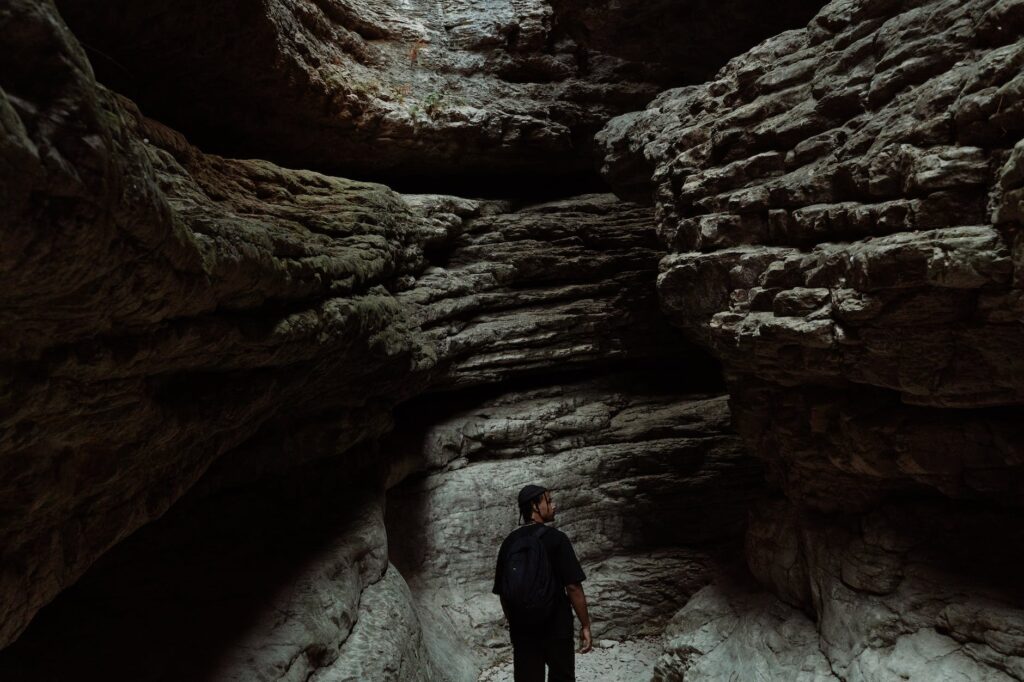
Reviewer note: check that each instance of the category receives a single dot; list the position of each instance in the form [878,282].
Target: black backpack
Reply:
[527,581]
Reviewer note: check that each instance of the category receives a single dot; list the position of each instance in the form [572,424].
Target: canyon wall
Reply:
[843,208]
[210,350]
[263,423]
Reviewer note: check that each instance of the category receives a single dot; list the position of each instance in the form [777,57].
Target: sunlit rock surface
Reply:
[652,485]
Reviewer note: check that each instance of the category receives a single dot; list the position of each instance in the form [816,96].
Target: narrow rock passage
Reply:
[263,423]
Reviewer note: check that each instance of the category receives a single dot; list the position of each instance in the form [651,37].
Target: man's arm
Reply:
[579,605]
[504,606]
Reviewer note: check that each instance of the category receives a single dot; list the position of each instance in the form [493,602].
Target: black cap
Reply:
[530,492]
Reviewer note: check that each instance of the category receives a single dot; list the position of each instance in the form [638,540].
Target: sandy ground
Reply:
[610,661]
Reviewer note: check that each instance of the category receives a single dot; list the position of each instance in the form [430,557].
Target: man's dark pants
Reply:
[529,654]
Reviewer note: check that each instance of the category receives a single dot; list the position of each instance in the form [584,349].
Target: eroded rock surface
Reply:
[732,628]
[547,288]
[842,203]
[164,307]
[916,589]
[652,485]
[412,88]
[190,322]
[212,349]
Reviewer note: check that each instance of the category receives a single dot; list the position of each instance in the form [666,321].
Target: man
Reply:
[548,640]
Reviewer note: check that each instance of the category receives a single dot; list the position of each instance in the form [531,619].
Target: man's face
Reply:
[546,508]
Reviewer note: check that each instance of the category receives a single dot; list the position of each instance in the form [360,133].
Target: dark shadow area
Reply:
[698,373]
[521,188]
[175,600]
[972,550]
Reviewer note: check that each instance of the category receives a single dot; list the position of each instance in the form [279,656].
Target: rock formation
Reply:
[265,423]
[843,206]
[652,483]
[409,89]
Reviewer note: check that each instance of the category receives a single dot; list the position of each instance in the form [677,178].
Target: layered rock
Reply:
[189,322]
[163,307]
[825,189]
[844,215]
[652,486]
[401,89]
[733,628]
[914,589]
[843,205]
[547,288]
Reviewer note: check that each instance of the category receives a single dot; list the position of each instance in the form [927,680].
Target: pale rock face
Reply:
[388,641]
[263,583]
[651,487]
[733,629]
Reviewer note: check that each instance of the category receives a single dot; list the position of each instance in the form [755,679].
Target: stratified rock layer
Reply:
[843,201]
[189,322]
[163,307]
[843,205]
[547,288]
[412,88]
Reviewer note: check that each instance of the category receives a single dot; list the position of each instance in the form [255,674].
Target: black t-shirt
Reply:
[567,570]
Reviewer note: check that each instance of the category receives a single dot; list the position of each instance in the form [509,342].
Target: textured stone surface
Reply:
[549,287]
[652,487]
[869,445]
[730,630]
[412,88]
[842,204]
[842,201]
[191,304]
[163,307]
[186,318]
[913,589]
[387,641]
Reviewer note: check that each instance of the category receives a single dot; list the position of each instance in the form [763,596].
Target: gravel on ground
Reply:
[631,660]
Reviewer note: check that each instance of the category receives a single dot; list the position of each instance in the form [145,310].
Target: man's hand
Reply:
[586,643]
[579,604]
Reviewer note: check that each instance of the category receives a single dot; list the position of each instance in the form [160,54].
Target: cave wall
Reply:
[842,204]
[207,354]
[208,340]
[162,307]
